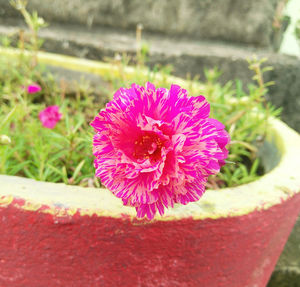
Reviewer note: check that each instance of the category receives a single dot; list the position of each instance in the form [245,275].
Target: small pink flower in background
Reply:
[156,147]
[33,88]
[50,116]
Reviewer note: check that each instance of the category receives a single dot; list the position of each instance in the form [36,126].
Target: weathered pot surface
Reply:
[59,235]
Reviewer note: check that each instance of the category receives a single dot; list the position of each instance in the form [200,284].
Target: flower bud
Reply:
[4,139]
[40,21]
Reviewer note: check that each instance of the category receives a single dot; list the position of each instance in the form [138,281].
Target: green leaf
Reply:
[7,118]
[77,169]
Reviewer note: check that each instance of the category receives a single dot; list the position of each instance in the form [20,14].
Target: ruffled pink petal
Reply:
[154,147]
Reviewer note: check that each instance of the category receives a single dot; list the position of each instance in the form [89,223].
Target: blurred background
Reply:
[186,36]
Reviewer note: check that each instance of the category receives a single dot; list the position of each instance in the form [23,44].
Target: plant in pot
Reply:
[61,227]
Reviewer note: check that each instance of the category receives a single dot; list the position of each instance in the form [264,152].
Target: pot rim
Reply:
[61,200]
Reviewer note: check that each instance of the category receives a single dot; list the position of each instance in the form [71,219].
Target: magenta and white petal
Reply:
[155,147]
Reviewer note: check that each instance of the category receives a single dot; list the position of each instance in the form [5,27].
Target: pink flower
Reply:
[50,116]
[222,138]
[156,147]
[33,88]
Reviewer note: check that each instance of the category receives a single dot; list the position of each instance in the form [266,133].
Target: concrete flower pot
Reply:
[59,235]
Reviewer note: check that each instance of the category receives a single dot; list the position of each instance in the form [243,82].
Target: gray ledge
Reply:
[249,22]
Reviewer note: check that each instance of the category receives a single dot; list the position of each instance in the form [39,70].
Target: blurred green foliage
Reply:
[64,154]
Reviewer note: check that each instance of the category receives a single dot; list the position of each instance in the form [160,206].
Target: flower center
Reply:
[147,145]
